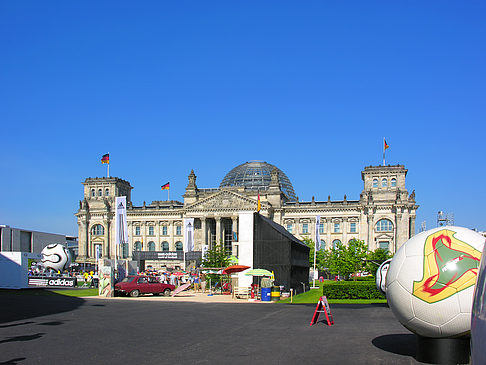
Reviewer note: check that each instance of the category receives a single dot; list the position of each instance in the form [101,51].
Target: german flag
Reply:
[259,204]
[385,145]
[166,186]
[105,158]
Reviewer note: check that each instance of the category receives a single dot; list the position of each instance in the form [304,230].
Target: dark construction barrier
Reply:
[51,282]
[275,249]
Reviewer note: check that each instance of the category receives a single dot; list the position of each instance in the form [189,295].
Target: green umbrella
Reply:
[258,272]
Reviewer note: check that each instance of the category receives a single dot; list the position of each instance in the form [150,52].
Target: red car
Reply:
[136,285]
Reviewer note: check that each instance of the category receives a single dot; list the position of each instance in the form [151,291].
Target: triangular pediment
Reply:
[225,200]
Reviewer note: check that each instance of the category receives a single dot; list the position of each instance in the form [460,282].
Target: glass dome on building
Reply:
[256,175]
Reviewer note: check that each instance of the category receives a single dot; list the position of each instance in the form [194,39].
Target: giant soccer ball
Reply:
[381,276]
[430,281]
[55,256]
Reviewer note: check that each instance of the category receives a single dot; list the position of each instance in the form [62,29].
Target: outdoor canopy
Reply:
[258,272]
[234,269]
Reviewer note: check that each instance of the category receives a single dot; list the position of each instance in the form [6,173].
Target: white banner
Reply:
[205,250]
[121,231]
[317,237]
[189,234]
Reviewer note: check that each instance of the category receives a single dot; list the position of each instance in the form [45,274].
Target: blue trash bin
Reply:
[266,294]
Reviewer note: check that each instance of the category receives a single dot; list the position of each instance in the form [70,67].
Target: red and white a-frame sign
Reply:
[322,306]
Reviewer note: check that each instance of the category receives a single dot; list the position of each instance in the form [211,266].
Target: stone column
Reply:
[345,231]
[218,230]
[371,242]
[158,242]
[398,227]
[328,232]
[412,226]
[204,232]
[234,226]
[106,249]
[130,240]
[83,237]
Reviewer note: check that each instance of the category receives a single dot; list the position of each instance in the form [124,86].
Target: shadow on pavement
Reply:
[17,307]
[23,338]
[13,361]
[401,344]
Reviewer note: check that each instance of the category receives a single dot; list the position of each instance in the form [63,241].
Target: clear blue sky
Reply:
[312,87]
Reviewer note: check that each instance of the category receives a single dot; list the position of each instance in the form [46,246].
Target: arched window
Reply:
[165,246]
[98,230]
[107,192]
[384,183]
[323,245]
[179,246]
[393,182]
[384,225]
[93,192]
[125,250]
[137,246]
[151,246]
[100,192]
[335,243]
[375,183]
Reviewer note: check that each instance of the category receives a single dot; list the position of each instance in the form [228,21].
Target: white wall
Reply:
[245,243]
[14,269]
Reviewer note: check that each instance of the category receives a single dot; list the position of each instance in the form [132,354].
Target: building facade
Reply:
[383,217]
[23,240]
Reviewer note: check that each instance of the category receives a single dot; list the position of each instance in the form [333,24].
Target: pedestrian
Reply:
[202,277]
[196,283]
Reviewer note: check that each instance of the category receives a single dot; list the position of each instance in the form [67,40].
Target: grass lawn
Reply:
[312,296]
[44,292]
[77,292]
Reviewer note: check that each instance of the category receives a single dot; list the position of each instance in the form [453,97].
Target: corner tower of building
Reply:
[96,214]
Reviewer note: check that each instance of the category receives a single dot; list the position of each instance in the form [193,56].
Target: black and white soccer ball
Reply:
[381,276]
[56,256]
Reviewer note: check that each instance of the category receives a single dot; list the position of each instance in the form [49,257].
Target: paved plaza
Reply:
[194,330]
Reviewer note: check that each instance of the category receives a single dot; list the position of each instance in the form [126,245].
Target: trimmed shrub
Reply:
[351,290]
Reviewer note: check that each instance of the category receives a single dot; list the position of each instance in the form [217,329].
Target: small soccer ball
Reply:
[381,276]
[430,281]
[55,256]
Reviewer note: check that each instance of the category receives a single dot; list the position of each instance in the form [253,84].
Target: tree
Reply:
[375,258]
[216,257]
[346,260]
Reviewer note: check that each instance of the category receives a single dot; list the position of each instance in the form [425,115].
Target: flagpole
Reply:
[314,273]
[384,149]
[108,173]
[317,242]
[116,266]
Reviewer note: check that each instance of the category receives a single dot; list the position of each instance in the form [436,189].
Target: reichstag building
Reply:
[383,217]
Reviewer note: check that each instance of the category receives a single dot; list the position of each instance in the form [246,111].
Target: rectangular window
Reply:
[352,227]
[305,228]
[151,230]
[178,230]
[137,231]
[289,228]
[164,230]
[321,228]
[383,244]
[337,227]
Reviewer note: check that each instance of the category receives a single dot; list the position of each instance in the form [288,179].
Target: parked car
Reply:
[136,285]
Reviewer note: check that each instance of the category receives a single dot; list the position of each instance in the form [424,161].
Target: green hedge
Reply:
[352,290]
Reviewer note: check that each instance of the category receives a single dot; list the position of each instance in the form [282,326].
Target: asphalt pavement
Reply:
[65,330]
